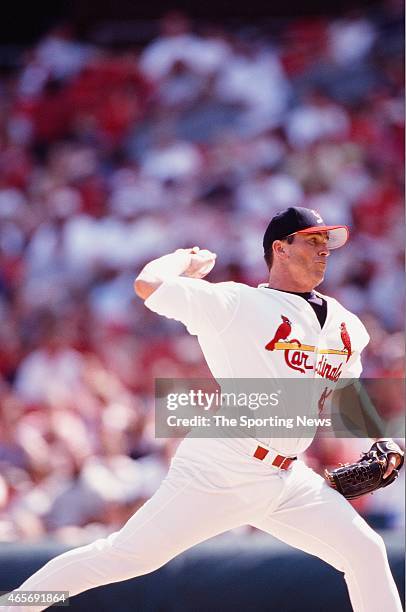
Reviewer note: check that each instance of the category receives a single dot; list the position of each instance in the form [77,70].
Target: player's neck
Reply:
[284,282]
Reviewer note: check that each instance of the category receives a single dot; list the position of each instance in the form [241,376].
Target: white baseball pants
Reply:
[212,487]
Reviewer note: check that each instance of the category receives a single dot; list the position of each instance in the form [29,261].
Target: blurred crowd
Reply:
[111,157]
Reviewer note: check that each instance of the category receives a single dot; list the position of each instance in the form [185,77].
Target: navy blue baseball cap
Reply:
[299,220]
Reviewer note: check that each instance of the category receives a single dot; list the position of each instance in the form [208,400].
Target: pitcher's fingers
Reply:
[188,250]
[391,466]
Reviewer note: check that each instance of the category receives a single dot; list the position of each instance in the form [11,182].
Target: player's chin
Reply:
[319,275]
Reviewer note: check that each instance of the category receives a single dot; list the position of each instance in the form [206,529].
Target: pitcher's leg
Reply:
[178,516]
[316,519]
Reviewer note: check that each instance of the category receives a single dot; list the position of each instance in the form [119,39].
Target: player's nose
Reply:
[324,251]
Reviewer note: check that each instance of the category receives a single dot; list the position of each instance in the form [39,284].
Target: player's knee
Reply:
[376,549]
[368,548]
[136,561]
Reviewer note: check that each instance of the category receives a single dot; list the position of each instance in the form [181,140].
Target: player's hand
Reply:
[393,462]
[202,262]
[393,459]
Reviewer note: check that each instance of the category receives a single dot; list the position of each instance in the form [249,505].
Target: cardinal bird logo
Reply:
[281,333]
[345,337]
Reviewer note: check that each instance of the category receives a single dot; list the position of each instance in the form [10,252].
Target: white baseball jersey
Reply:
[247,333]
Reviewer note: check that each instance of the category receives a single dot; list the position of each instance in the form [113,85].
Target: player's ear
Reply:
[278,248]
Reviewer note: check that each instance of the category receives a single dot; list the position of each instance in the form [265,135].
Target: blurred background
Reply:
[129,131]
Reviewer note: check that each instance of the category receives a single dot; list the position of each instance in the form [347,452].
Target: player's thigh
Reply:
[316,519]
[180,514]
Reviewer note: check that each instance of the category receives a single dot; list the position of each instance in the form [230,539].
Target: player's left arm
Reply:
[356,406]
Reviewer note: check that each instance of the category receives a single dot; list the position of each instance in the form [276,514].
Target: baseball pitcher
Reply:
[214,485]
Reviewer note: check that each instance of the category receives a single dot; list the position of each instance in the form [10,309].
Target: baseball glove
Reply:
[366,475]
